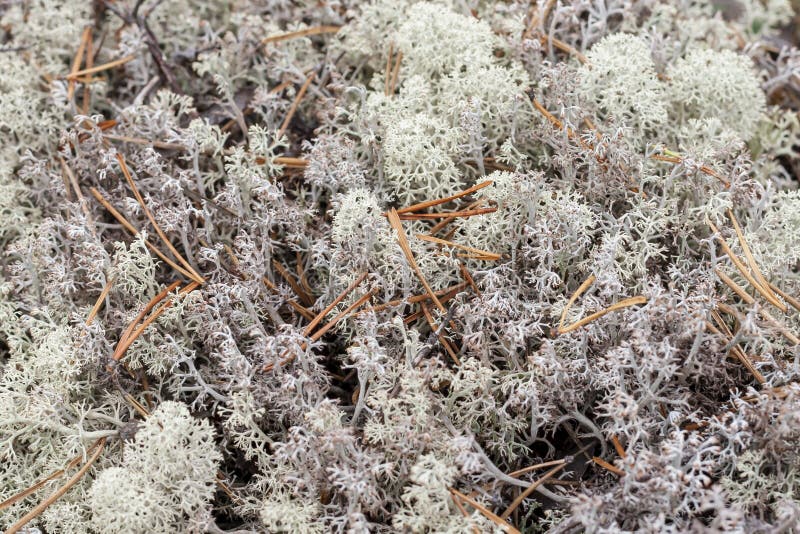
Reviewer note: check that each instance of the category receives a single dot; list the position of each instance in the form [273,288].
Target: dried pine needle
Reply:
[307,32]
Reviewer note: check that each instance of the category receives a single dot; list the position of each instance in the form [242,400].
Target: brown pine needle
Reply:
[578,292]
[793,302]
[301,274]
[608,467]
[768,296]
[322,331]
[56,474]
[130,228]
[316,30]
[296,306]
[387,71]
[87,93]
[394,221]
[630,301]
[463,511]
[447,214]
[42,506]
[445,298]
[298,163]
[737,352]
[445,222]
[101,68]
[443,340]
[564,47]
[530,489]
[520,472]
[196,277]
[481,253]
[739,290]
[145,142]
[751,261]
[501,523]
[341,315]
[305,298]
[293,108]
[99,302]
[76,61]
[125,344]
[430,203]
[414,299]
[395,72]
[468,279]
[149,306]
[618,447]
[335,302]
[73,180]
[705,169]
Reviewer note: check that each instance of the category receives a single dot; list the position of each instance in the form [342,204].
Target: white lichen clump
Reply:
[373,266]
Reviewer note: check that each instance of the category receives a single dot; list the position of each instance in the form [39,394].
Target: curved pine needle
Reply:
[631,301]
[99,302]
[125,344]
[578,292]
